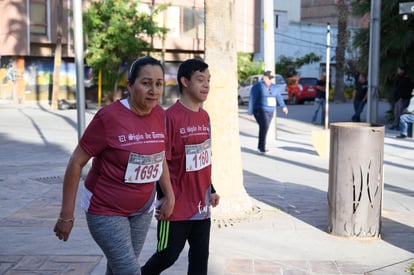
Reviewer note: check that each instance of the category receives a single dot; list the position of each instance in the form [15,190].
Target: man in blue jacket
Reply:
[264,97]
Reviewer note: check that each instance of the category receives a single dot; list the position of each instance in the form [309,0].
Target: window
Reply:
[308,81]
[281,20]
[38,17]
[193,22]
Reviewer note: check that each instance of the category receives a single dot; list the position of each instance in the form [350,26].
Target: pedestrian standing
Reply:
[402,95]
[320,99]
[127,142]
[359,96]
[189,160]
[264,97]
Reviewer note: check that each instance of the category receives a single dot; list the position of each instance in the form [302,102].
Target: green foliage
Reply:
[287,66]
[308,59]
[396,46]
[116,35]
[410,270]
[247,67]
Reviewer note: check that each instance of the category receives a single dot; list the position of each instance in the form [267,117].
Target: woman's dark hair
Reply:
[138,64]
[188,67]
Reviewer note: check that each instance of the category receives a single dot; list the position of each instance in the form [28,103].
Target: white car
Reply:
[245,87]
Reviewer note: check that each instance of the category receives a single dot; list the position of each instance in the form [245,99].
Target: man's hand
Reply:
[285,110]
[214,199]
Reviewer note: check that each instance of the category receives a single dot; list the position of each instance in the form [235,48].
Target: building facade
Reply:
[301,28]
[29,35]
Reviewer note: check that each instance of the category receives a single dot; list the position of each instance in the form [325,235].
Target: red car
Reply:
[301,89]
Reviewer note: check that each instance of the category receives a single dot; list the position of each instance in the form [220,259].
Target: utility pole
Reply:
[328,75]
[80,85]
[269,52]
[268,36]
[374,54]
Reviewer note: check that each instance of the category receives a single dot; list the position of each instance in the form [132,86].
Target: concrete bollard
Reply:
[355,179]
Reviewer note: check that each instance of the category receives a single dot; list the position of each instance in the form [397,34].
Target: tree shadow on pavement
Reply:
[302,202]
[310,205]
[397,234]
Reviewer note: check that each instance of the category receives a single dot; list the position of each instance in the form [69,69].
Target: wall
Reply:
[31,78]
[13,28]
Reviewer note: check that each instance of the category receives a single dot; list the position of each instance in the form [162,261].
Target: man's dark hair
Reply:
[138,64]
[364,75]
[404,67]
[188,67]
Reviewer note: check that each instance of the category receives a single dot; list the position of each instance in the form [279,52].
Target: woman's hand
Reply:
[164,209]
[63,227]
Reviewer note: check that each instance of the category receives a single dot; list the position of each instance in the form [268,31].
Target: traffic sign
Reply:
[407,7]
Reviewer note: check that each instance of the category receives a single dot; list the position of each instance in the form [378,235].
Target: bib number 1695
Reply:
[144,168]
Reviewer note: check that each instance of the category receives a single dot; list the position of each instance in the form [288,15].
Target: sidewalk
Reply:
[286,234]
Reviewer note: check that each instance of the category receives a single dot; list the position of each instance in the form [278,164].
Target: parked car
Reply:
[301,89]
[245,87]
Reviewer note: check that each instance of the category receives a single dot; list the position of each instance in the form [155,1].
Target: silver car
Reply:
[245,87]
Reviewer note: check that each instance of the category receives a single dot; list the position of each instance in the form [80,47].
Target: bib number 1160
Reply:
[198,156]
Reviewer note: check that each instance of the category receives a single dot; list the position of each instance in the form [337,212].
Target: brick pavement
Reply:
[287,234]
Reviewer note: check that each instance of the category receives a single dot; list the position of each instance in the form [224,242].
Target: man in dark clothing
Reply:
[360,96]
[320,100]
[402,95]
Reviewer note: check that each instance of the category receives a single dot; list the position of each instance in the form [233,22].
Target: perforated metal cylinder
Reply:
[355,179]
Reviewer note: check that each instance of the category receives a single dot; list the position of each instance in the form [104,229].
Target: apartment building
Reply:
[29,35]
[325,11]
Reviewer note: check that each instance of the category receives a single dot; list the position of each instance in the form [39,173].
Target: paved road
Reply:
[286,234]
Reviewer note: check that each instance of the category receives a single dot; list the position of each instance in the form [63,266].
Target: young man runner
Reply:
[189,160]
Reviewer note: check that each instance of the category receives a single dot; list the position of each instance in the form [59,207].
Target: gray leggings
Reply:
[121,240]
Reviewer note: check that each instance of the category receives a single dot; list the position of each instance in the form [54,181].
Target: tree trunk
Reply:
[58,56]
[343,11]
[222,106]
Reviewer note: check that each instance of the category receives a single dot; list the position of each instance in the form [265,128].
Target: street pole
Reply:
[328,66]
[269,52]
[80,85]
[268,36]
[374,54]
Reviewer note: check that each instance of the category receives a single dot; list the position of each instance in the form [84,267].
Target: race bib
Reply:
[144,168]
[271,101]
[197,156]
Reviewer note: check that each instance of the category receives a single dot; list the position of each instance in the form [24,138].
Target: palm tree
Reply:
[397,43]
[221,56]
[58,55]
[343,37]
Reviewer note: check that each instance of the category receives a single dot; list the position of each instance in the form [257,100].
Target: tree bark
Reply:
[222,106]
[58,56]
[343,10]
